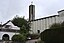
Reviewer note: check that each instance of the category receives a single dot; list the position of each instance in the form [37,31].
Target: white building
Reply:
[39,25]
[8,30]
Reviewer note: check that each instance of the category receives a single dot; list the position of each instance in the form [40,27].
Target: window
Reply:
[7,26]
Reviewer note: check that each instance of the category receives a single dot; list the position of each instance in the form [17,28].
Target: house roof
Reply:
[11,24]
[6,22]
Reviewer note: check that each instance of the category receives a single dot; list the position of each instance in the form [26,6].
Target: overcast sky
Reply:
[10,8]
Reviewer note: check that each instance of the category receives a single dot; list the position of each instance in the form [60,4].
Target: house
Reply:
[8,30]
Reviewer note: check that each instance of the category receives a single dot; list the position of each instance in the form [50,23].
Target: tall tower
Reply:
[31,12]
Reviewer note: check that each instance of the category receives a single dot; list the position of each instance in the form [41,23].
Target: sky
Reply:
[43,8]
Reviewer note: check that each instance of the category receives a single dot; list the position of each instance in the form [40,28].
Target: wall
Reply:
[61,15]
[8,33]
[42,24]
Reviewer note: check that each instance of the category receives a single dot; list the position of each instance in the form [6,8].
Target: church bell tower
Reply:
[31,12]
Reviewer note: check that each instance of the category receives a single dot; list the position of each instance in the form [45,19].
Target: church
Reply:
[39,25]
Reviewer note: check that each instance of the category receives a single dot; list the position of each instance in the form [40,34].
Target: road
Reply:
[31,41]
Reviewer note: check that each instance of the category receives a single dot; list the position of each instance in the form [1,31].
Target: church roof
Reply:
[60,11]
[45,17]
[6,22]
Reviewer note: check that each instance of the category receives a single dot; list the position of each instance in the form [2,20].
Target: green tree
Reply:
[24,27]
[22,23]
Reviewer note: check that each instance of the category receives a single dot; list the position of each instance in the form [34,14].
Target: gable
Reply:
[12,26]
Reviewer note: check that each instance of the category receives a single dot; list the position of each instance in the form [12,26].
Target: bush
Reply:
[19,38]
[53,35]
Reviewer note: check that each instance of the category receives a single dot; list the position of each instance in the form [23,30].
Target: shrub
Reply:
[53,35]
[19,38]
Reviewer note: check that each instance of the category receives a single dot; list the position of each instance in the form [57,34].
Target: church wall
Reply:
[47,23]
[53,19]
[61,15]
[36,26]
[33,24]
[57,19]
[31,27]
[50,22]
[42,24]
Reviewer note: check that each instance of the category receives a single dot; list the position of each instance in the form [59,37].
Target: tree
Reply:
[24,28]
[22,23]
